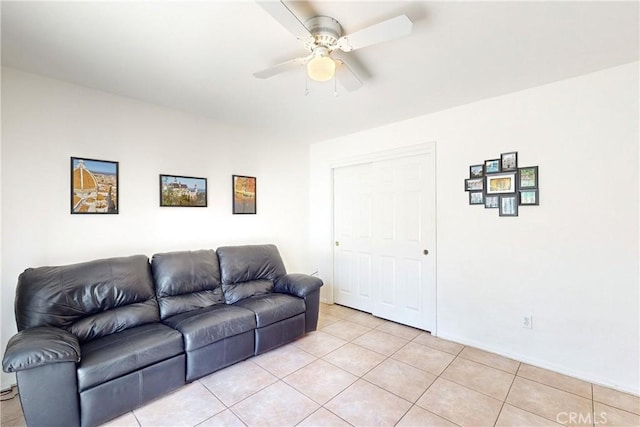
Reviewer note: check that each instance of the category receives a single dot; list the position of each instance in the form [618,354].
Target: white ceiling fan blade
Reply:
[390,29]
[281,13]
[346,76]
[280,68]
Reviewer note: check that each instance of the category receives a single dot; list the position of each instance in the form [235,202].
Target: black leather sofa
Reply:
[100,338]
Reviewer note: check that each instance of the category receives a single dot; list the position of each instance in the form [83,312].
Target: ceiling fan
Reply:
[322,36]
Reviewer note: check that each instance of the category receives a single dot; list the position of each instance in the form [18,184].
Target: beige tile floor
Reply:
[363,371]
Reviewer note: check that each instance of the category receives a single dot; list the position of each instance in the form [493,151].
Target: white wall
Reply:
[45,122]
[571,262]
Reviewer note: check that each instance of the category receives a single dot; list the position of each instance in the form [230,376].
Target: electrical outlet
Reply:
[527,321]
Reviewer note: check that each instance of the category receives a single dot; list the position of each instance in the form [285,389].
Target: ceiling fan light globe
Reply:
[321,68]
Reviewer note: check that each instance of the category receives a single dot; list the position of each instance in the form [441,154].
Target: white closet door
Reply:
[384,216]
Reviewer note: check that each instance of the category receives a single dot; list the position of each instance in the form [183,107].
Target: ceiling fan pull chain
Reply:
[335,87]
[306,84]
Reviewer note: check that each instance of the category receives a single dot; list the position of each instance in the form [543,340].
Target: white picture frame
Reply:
[501,183]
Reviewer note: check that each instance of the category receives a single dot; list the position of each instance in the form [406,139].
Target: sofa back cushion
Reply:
[90,299]
[186,281]
[249,270]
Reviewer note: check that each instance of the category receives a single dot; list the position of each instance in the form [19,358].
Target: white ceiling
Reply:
[199,56]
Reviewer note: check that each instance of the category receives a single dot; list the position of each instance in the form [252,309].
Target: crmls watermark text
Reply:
[594,418]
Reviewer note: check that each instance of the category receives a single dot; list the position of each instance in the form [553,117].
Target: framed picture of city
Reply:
[94,186]
[244,194]
[183,191]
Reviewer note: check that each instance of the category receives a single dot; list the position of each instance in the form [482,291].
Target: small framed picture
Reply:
[474,184]
[529,197]
[508,205]
[476,171]
[94,186]
[509,161]
[528,177]
[501,183]
[476,197]
[244,194]
[492,166]
[183,191]
[492,202]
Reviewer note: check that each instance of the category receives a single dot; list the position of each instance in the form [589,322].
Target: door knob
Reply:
[426,252]
[337,243]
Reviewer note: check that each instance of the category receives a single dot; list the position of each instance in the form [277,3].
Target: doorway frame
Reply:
[390,154]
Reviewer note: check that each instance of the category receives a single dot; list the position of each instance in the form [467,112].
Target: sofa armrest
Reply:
[299,285]
[40,346]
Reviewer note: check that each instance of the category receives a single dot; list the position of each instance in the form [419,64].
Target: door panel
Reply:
[352,229]
[387,276]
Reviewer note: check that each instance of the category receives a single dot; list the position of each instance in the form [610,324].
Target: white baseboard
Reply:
[543,364]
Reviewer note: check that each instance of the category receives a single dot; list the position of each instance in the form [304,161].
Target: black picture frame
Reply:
[529,197]
[509,161]
[508,205]
[474,184]
[492,166]
[528,177]
[476,197]
[491,201]
[244,194]
[476,171]
[94,187]
[179,191]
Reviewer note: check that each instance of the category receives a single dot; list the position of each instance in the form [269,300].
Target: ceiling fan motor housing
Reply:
[325,30]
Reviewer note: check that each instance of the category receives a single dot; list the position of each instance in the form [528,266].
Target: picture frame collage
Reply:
[95,189]
[501,184]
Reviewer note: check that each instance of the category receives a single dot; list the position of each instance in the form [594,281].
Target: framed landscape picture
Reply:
[94,186]
[476,198]
[244,194]
[508,205]
[476,171]
[529,197]
[501,183]
[492,202]
[492,166]
[509,161]
[474,184]
[528,177]
[183,191]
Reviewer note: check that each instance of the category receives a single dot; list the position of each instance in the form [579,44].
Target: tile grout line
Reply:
[390,357]
[430,385]
[486,364]
[386,357]
[555,388]
[229,407]
[361,377]
[504,402]
[593,407]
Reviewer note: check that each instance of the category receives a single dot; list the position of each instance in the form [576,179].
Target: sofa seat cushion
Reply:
[271,308]
[210,324]
[110,357]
